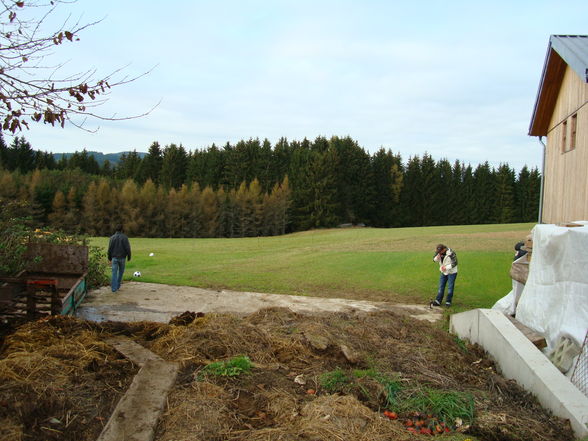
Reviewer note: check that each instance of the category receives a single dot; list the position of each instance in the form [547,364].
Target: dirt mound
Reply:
[310,377]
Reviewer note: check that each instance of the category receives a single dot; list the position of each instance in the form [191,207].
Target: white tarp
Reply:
[554,301]
[508,304]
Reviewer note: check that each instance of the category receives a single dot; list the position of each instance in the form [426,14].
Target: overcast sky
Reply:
[456,79]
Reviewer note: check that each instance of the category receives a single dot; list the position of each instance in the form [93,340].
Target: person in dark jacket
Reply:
[119,250]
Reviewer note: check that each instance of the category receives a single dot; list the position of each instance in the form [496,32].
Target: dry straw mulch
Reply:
[58,380]
[268,404]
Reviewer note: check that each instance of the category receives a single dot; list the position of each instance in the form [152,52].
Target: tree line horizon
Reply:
[254,188]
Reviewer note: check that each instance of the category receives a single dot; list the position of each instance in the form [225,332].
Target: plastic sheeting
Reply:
[554,301]
[508,304]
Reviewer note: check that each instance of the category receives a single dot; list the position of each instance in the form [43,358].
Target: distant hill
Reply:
[113,158]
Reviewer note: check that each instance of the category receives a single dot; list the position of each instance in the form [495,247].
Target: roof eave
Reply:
[551,79]
[562,51]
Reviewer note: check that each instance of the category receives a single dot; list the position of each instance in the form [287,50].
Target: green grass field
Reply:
[357,263]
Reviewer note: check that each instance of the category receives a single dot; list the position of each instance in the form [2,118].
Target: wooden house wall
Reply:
[566,174]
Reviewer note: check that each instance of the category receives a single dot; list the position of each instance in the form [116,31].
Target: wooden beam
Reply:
[537,339]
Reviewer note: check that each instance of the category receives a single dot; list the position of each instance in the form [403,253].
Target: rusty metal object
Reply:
[57,258]
[53,283]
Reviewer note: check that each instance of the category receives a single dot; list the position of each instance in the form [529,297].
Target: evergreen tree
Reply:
[468,191]
[527,195]
[410,198]
[317,206]
[3,153]
[444,195]
[382,163]
[128,166]
[457,215]
[503,211]
[21,155]
[63,163]
[242,162]
[431,194]
[197,167]
[483,195]
[150,167]
[264,172]
[214,167]
[174,166]
[44,160]
[300,180]
[84,161]
[534,195]
[281,157]
[107,169]
[355,192]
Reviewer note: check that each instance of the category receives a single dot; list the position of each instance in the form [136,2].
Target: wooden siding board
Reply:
[566,177]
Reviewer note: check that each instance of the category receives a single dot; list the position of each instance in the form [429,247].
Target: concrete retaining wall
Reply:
[521,361]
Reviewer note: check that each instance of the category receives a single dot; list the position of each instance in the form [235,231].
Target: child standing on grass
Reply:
[447,260]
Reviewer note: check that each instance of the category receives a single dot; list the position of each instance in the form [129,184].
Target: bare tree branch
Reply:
[33,91]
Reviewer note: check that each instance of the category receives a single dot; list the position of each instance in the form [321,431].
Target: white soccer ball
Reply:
[137,274]
[151,254]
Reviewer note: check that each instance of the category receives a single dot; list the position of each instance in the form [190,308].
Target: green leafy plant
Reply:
[391,386]
[97,267]
[447,406]
[13,237]
[334,381]
[230,368]
[460,344]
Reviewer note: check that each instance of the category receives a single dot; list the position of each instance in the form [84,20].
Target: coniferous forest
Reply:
[254,188]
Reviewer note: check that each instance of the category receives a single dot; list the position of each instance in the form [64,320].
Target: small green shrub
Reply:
[97,267]
[231,368]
